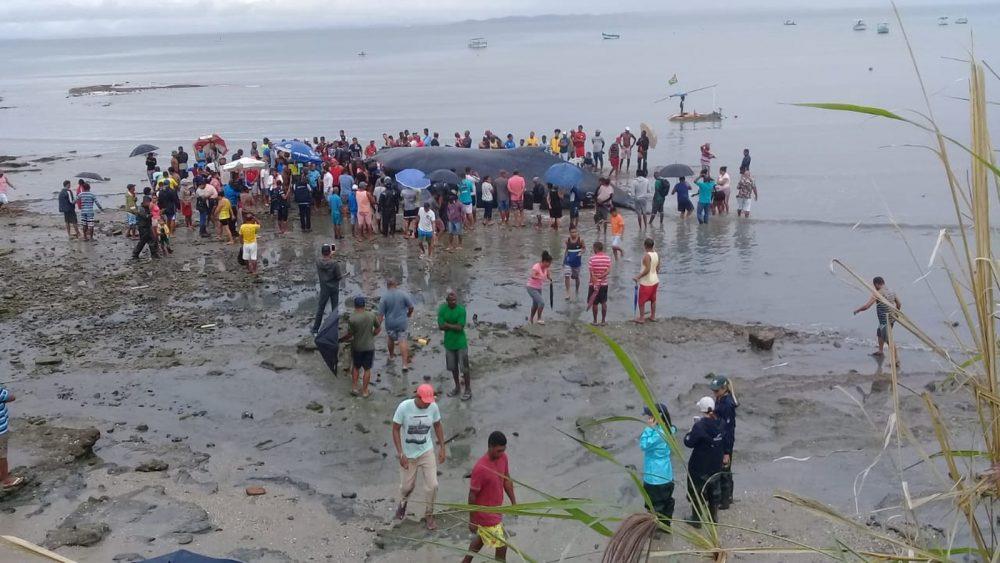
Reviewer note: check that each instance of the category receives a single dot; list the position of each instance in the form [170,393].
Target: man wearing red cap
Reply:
[411,433]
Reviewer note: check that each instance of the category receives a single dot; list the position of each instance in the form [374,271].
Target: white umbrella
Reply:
[244,163]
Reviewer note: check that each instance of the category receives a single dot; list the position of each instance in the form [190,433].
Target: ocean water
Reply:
[831,184]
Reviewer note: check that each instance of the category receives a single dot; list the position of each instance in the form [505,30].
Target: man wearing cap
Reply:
[451,320]
[658,473]
[705,441]
[329,273]
[362,327]
[725,410]
[411,434]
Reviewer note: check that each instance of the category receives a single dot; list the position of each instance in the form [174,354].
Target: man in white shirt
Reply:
[722,185]
[642,194]
[425,228]
[327,182]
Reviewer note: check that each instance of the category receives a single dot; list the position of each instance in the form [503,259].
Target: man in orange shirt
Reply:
[617,232]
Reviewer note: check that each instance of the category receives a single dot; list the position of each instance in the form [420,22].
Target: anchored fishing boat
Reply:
[789,22]
[943,20]
[860,26]
[695,117]
[962,20]
[477,43]
[610,36]
[883,28]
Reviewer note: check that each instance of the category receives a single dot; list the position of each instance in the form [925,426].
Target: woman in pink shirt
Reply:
[539,273]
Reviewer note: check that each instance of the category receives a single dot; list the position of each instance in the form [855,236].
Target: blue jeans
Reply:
[203,222]
[703,212]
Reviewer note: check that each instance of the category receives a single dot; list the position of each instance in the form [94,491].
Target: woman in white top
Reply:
[648,282]
[486,197]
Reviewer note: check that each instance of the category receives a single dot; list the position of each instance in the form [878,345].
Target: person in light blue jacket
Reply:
[658,473]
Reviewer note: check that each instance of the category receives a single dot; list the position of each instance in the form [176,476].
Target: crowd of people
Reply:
[349,183]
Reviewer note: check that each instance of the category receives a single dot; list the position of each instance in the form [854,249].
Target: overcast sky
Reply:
[61,18]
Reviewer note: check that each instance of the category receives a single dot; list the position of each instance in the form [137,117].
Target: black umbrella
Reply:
[675,171]
[444,176]
[143,149]
[92,176]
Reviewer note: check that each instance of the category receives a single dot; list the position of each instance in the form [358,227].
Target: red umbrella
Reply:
[210,143]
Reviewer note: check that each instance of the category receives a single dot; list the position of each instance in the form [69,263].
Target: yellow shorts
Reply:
[492,536]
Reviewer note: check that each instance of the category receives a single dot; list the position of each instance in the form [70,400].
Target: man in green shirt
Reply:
[362,327]
[451,319]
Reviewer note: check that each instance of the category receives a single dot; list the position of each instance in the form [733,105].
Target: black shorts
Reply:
[685,205]
[409,214]
[602,295]
[70,216]
[283,213]
[230,223]
[363,360]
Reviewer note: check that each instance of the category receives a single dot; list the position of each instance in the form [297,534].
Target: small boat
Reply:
[477,43]
[789,22]
[610,36]
[883,28]
[943,20]
[860,26]
[362,54]
[695,117]
[962,20]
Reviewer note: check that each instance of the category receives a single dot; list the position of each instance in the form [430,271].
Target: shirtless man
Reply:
[626,140]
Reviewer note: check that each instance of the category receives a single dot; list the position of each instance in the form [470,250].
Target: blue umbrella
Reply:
[564,175]
[185,556]
[300,151]
[413,178]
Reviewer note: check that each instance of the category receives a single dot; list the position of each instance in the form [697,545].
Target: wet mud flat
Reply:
[153,395]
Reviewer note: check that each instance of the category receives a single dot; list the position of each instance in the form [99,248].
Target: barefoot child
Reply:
[617,232]
[130,203]
[7,481]
[539,273]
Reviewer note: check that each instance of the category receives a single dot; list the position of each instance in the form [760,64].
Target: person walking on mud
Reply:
[451,320]
[489,480]
[362,328]
[539,273]
[411,434]
[599,266]
[67,206]
[648,281]
[885,315]
[657,470]
[705,441]
[144,228]
[394,310]
[7,481]
[329,273]
[725,409]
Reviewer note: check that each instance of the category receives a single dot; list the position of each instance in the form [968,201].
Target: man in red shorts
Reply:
[648,281]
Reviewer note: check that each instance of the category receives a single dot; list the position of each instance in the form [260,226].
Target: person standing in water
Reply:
[648,281]
[661,190]
[883,312]
[539,273]
[425,229]
[706,191]
[573,261]
[745,189]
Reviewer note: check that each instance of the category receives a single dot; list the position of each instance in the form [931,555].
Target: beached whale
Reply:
[529,161]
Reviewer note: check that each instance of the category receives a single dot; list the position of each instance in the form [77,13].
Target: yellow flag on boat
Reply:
[673,80]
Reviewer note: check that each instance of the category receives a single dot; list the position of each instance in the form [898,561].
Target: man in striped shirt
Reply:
[87,201]
[599,266]
[6,480]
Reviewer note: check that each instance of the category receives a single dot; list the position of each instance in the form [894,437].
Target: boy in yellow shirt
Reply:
[248,234]
[617,232]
